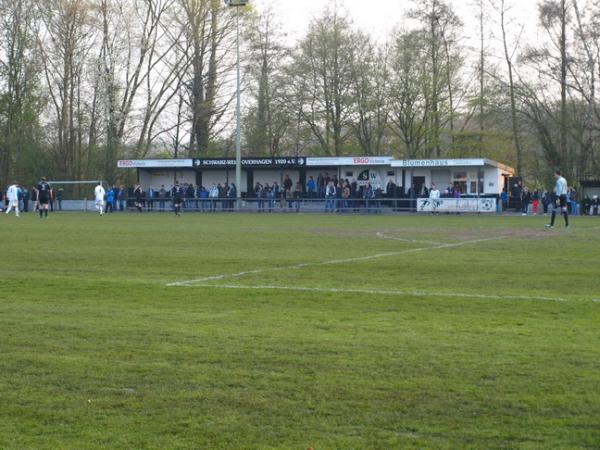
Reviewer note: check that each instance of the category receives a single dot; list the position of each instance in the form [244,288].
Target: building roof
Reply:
[337,161]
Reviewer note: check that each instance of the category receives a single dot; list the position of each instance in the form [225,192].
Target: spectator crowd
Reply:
[330,193]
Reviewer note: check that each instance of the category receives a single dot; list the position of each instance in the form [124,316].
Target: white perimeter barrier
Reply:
[466,205]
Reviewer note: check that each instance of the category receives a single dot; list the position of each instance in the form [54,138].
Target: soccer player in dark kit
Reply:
[177,194]
[43,195]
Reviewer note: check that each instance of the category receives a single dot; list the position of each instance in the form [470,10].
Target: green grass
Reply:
[96,351]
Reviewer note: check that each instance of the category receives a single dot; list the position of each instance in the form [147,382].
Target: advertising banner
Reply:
[417,163]
[466,205]
[349,161]
[153,163]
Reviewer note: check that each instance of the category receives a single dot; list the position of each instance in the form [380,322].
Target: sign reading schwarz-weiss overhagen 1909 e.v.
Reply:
[474,205]
[251,162]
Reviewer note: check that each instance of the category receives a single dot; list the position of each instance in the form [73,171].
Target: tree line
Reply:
[84,83]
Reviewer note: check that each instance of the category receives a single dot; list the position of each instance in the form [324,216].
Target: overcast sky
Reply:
[379,17]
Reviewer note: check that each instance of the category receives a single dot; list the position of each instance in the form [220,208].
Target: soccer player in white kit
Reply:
[99,193]
[12,195]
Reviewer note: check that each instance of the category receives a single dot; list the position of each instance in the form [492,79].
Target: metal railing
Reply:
[381,205]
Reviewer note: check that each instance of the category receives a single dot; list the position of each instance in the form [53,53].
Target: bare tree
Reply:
[64,47]
[19,108]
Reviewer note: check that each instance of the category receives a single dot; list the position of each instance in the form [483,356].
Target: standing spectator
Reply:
[546,199]
[59,198]
[270,196]
[311,187]
[573,200]
[223,195]
[321,185]
[150,194]
[368,196]
[595,205]
[297,194]
[330,195]
[504,200]
[262,197]
[35,198]
[162,198]
[535,201]
[213,195]
[231,196]
[203,198]
[190,196]
[412,195]
[197,197]
[258,189]
[587,206]
[276,193]
[138,194]
[25,199]
[434,192]
[287,186]
[434,196]
[51,198]
[110,200]
[121,198]
[525,201]
[288,195]
[345,197]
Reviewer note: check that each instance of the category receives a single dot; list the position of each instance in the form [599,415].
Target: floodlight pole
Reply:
[238,151]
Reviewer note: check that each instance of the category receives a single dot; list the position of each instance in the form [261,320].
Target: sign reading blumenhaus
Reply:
[437,162]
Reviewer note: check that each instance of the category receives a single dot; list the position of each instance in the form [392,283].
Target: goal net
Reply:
[74,195]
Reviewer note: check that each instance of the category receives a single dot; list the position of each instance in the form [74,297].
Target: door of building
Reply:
[419,182]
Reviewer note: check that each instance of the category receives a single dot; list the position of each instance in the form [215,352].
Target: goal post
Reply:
[68,194]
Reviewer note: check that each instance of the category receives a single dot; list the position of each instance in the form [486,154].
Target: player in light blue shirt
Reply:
[560,191]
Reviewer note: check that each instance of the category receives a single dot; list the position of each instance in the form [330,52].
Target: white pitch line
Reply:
[413,241]
[330,262]
[385,292]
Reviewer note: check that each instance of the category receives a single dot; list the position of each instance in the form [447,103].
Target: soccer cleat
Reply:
[549,226]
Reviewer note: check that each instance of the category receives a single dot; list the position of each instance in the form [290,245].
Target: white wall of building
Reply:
[263,176]
[154,179]
[219,176]
[493,180]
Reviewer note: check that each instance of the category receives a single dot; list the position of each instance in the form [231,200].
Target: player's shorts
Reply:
[562,201]
[13,204]
[43,200]
[178,201]
[100,202]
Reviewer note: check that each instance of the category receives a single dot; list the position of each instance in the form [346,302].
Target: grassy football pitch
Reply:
[296,331]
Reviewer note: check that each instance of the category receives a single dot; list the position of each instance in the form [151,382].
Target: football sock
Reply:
[553,217]
[41,211]
[566,218]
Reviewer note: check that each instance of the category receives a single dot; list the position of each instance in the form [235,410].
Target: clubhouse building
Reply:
[473,176]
